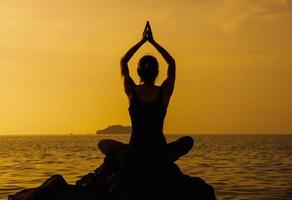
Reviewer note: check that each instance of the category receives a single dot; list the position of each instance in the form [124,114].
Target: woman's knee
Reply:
[179,148]
[102,143]
[187,141]
[107,146]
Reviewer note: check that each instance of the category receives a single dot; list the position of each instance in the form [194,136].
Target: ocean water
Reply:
[242,167]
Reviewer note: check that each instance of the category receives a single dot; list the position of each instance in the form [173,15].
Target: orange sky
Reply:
[59,64]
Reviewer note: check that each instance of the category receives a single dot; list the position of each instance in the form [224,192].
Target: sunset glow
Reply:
[60,73]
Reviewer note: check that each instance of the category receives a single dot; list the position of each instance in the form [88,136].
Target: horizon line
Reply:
[94,134]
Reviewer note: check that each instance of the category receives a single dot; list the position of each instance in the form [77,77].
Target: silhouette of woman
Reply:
[148,105]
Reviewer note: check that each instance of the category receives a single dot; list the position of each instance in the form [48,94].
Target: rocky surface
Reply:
[126,174]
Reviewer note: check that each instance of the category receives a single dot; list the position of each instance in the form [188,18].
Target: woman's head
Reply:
[148,69]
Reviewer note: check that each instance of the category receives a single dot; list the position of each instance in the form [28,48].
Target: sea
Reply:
[240,167]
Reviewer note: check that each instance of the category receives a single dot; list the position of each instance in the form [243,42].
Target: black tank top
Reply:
[147,123]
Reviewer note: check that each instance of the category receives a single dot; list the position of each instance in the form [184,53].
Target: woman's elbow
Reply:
[171,62]
[122,61]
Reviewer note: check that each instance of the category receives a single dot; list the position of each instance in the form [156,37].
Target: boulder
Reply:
[126,174]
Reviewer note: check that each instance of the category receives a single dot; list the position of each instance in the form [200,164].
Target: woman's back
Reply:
[147,112]
[147,93]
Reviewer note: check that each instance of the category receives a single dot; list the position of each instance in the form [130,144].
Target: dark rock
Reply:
[126,174]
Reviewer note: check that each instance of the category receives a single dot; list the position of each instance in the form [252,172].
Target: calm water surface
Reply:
[239,167]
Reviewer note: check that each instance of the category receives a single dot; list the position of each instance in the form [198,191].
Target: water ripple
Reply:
[239,167]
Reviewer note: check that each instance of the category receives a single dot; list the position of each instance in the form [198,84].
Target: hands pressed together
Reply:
[147,34]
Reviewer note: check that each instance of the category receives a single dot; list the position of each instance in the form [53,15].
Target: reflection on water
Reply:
[239,167]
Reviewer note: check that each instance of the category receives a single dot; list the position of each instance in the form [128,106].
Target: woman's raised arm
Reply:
[168,84]
[128,81]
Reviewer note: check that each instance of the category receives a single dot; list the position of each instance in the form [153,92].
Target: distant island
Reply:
[115,129]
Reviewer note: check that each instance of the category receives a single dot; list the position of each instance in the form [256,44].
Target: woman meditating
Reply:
[148,105]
